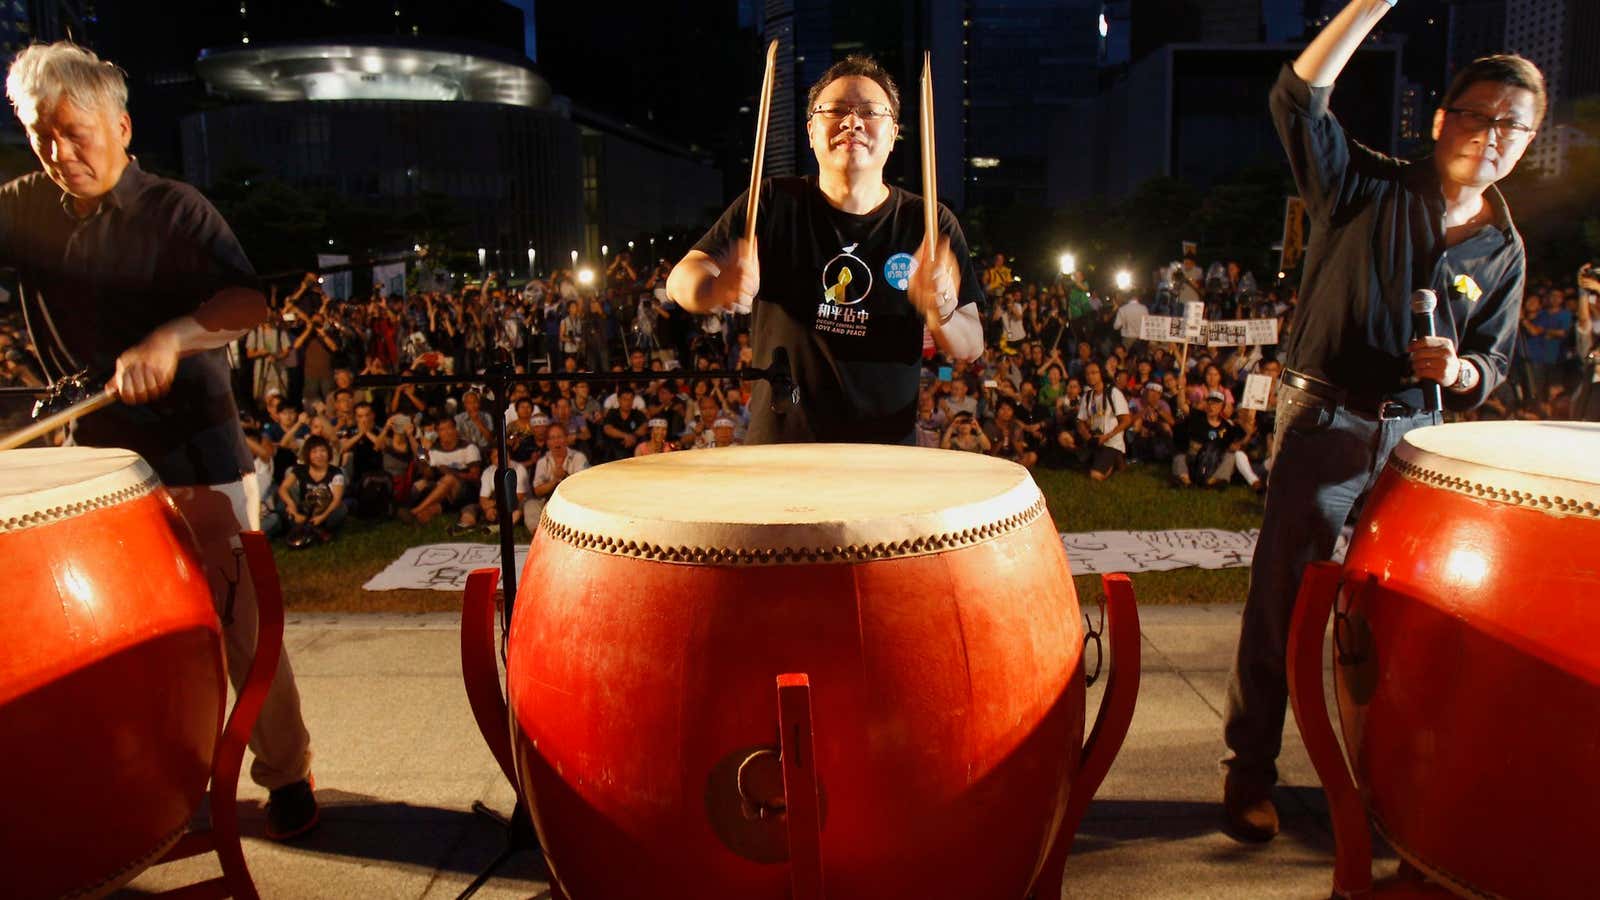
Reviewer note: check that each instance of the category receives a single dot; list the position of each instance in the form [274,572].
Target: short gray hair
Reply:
[44,73]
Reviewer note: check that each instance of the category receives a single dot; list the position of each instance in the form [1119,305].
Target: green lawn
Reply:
[329,577]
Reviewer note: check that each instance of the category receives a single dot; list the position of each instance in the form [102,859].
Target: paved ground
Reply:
[399,764]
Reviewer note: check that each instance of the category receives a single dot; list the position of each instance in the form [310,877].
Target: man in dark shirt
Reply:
[1381,229]
[843,276]
[136,277]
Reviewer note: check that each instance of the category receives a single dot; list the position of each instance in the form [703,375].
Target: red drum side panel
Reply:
[948,712]
[1473,705]
[111,695]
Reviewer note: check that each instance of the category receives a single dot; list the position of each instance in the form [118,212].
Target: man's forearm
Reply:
[226,317]
[1321,62]
[689,284]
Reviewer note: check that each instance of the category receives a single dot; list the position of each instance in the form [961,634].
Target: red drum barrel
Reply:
[1467,663]
[753,672]
[112,685]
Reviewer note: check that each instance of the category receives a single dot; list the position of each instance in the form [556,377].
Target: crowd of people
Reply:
[1065,381]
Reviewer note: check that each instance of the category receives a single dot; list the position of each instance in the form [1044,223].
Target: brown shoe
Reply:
[1248,813]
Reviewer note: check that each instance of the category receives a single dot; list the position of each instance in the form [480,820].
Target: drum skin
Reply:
[1468,681]
[948,709]
[111,695]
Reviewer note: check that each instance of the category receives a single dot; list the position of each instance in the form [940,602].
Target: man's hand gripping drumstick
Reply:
[736,275]
[932,288]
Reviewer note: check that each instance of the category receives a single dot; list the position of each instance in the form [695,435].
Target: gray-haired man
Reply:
[127,273]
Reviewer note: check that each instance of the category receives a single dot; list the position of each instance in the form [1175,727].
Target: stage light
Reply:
[483,256]
[574,257]
[586,276]
[1124,280]
[1069,264]
[531,254]
[630,245]
[605,250]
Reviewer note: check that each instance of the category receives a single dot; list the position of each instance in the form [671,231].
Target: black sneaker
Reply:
[291,811]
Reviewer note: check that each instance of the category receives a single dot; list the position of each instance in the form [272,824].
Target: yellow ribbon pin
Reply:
[1468,288]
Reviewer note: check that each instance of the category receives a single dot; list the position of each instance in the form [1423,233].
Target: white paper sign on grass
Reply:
[444,567]
[439,567]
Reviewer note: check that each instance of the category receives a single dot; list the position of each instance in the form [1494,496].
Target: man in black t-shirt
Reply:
[841,275]
[623,427]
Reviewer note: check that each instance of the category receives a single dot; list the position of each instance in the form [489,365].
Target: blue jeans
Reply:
[1327,459]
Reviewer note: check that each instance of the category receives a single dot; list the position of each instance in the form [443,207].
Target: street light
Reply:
[630,245]
[483,260]
[605,250]
[1124,280]
[1069,264]
[531,254]
[574,257]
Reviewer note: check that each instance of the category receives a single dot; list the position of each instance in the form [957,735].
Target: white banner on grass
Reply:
[1102,552]
[444,567]
[439,567]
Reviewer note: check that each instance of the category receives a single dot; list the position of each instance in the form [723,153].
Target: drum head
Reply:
[1554,466]
[46,484]
[793,503]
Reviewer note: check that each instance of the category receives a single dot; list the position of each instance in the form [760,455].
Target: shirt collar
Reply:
[121,196]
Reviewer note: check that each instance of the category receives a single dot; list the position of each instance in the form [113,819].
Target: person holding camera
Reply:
[963,433]
[450,477]
[1356,370]
[1103,416]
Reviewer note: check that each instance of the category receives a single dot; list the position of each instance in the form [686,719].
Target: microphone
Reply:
[785,393]
[1423,303]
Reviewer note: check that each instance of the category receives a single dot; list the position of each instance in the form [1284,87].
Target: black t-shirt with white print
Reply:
[833,294]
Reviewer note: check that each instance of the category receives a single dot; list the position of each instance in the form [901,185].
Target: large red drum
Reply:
[917,610]
[111,672]
[1467,642]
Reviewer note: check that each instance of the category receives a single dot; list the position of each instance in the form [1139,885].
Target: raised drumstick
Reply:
[930,176]
[752,198]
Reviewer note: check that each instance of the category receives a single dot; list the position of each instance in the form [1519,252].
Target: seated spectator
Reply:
[657,442]
[472,423]
[963,433]
[450,478]
[487,510]
[1103,416]
[721,433]
[1007,438]
[930,422]
[1252,449]
[1150,436]
[958,402]
[1208,440]
[312,494]
[553,468]
[624,427]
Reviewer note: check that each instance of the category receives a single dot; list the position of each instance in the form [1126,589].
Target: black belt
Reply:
[1370,407]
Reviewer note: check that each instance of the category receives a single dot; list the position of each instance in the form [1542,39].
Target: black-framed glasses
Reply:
[867,112]
[1508,129]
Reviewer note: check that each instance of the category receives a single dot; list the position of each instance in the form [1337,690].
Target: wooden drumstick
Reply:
[930,176]
[58,420]
[762,113]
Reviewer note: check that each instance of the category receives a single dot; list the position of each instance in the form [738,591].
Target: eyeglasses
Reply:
[1508,129]
[867,112]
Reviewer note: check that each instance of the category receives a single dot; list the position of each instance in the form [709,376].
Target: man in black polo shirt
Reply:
[1354,375]
[840,275]
[137,277]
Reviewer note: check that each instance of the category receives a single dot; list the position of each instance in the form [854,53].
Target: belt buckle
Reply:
[1393,409]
